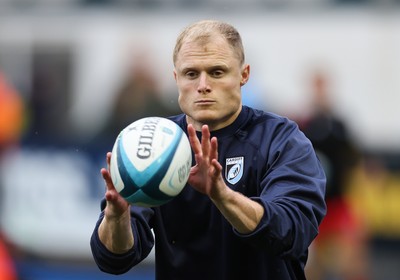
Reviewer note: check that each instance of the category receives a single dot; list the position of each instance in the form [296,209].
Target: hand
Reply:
[206,175]
[116,204]
[242,213]
[115,230]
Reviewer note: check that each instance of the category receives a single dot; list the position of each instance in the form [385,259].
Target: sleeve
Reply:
[292,191]
[144,242]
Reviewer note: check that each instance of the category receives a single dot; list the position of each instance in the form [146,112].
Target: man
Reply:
[255,194]
[342,234]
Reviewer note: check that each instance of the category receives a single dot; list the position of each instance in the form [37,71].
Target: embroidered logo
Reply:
[234,169]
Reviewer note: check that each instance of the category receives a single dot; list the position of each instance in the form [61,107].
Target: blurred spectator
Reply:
[7,269]
[11,115]
[330,137]
[339,250]
[139,96]
[50,97]
[374,191]
[11,124]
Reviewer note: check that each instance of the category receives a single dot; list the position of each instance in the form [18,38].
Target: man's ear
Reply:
[245,74]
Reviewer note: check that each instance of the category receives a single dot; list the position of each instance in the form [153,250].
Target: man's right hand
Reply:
[116,204]
[115,230]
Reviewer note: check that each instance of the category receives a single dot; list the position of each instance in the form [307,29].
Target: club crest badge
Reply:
[234,169]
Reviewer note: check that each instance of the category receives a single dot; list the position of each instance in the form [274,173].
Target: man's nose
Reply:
[204,85]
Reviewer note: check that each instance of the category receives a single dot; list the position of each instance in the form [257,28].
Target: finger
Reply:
[107,179]
[194,141]
[214,149]
[105,174]
[205,140]
[108,159]
[217,168]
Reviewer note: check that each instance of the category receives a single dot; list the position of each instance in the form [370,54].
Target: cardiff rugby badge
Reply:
[234,169]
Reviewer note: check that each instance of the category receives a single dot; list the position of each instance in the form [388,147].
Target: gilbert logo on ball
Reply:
[150,161]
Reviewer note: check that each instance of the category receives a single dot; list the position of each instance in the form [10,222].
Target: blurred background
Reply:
[73,73]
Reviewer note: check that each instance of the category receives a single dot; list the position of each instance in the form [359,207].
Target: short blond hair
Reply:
[205,29]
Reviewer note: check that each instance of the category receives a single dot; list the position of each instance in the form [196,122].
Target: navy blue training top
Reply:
[265,157]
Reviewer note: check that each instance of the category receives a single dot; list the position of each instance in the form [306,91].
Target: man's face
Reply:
[209,77]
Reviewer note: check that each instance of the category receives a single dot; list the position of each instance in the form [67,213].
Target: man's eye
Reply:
[191,74]
[217,73]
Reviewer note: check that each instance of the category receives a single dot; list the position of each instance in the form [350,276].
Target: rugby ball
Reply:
[151,161]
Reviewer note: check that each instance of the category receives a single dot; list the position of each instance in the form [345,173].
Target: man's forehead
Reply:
[209,46]
[201,53]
